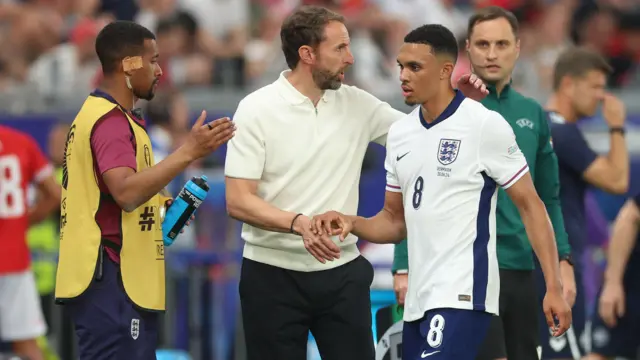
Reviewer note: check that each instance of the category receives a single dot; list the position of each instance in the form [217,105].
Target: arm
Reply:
[623,238]
[244,166]
[502,160]
[116,159]
[130,189]
[387,226]
[48,199]
[380,118]
[400,258]
[539,229]
[243,204]
[612,302]
[547,183]
[609,173]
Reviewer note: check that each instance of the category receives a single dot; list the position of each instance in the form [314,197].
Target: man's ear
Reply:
[306,54]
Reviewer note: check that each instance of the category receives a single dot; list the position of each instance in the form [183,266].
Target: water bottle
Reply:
[184,205]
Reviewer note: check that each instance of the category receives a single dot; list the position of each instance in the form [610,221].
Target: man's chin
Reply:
[410,101]
[148,96]
[333,85]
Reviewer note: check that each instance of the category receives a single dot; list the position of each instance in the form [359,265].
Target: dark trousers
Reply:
[280,307]
[108,325]
[514,334]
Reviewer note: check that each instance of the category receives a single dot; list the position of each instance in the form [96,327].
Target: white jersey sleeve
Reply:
[390,166]
[500,155]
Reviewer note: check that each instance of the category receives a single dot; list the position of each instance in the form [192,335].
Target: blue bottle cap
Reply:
[204,177]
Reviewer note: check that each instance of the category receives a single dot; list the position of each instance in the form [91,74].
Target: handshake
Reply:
[316,233]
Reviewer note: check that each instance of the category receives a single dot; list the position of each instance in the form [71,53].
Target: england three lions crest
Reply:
[448,151]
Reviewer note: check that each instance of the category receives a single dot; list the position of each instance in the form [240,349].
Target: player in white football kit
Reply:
[444,163]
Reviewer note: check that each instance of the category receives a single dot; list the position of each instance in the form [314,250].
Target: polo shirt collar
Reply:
[505,91]
[292,95]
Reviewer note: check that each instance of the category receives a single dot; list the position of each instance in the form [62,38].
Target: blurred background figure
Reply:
[43,238]
[213,53]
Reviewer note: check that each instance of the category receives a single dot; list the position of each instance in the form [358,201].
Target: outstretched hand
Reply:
[207,138]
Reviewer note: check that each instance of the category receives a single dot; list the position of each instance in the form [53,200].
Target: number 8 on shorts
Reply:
[434,335]
[445,334]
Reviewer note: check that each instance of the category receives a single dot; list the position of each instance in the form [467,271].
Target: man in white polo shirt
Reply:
[444,163]
[298,152]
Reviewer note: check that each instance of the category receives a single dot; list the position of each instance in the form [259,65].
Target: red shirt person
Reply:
[21,164]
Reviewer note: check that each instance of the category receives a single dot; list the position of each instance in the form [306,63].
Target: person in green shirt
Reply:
[493,47]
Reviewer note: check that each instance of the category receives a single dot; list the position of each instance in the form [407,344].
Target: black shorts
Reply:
[280,307]
[514,334]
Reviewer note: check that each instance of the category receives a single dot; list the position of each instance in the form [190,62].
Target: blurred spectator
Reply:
[263,56]
[540,47]
[181,61]
[223,35]
[151,11]
[168,116]
[69,68]
[47,45]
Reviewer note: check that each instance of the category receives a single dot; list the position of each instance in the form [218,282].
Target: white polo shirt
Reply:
[307,160]
[448,172]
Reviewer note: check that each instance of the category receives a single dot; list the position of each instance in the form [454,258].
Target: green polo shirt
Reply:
[529,122]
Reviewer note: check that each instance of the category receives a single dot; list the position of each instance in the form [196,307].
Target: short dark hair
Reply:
[577,62]
[118,40]
[441,39]
[492,13]
[305,26]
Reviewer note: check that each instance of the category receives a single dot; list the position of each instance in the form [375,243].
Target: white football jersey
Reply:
[448,172]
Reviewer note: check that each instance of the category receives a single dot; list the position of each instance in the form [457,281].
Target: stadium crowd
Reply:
[49,51]
[48,44]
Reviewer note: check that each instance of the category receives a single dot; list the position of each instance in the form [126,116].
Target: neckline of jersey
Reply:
[448,111]
[136,114]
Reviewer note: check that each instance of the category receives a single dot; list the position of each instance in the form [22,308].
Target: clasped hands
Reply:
[317,233]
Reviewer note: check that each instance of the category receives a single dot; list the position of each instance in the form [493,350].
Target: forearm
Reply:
[557,221]
[618,156]
[141,186]
[400,257]
[252,210]
[622,242]
[41,211]
[383,228]
[547,184]
[540,234]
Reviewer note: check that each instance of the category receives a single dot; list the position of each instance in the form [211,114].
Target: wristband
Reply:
[617,129]
[292,222]
[568,258]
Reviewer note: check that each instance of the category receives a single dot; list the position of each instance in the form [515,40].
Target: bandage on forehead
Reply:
[132,63]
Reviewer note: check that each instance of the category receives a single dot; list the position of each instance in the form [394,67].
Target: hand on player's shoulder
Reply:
[206,138]
[472,87]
